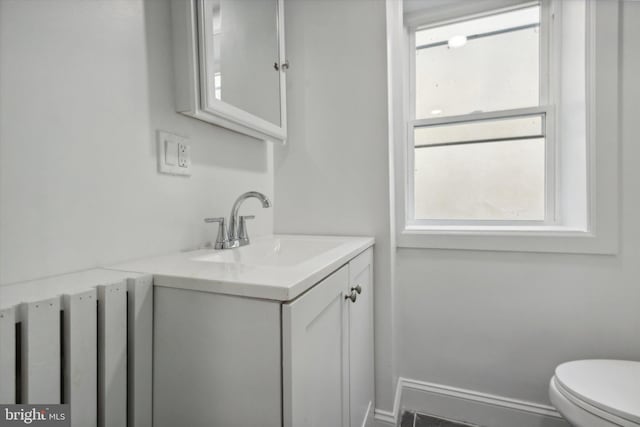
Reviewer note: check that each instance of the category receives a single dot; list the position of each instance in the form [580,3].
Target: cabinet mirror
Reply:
[230,66]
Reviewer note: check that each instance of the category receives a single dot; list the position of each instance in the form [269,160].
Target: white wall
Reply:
[499,322]
[332,176]
[84,85]
[495,322]
[83,88]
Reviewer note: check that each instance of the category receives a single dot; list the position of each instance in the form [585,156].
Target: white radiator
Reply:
[86,344]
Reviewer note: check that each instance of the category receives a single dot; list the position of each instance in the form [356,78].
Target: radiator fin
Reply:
[41,351]
[112,355]
[7,355]
[140,347]
[81,357]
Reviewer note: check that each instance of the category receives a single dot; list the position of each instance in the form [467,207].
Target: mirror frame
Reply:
[190,67]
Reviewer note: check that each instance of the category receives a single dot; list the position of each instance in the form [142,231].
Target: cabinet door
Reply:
[315,371]
[361,373]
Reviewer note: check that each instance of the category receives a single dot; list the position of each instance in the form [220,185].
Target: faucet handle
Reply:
[222,239]
[243,236]
[220,220]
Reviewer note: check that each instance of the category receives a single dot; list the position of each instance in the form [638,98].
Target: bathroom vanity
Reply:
[277,333]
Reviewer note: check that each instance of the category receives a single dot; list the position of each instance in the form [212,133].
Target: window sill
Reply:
[552,239]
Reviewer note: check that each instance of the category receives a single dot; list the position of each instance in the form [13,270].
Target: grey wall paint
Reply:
[332,176]
[500,322]
[84,86]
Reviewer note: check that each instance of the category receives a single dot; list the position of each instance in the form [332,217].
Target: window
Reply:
[480,120]
[499,142]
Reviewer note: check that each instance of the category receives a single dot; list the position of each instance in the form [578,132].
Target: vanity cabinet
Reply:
[226,360]
[328,350]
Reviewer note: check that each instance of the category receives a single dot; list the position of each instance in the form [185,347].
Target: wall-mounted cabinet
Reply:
[230,64]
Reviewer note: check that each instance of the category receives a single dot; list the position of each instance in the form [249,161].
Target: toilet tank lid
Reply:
[610,385]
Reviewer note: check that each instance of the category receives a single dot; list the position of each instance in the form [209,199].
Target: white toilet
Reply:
[597,393]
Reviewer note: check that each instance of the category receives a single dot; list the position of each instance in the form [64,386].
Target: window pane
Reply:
[497,68]
[483,181]
[487,24]
[519,127]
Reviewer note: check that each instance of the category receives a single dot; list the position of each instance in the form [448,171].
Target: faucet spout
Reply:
[233,218]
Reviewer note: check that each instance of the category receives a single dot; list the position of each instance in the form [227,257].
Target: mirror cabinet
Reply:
[230,66]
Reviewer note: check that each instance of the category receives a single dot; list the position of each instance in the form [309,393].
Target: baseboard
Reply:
[466,405]
[385,418]
[390,418]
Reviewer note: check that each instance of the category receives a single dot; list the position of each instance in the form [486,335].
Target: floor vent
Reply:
[414,419]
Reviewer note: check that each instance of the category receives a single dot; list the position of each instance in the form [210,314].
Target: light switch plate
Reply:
[174,154]
[170,153]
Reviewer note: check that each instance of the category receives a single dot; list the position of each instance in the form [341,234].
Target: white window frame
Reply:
[545,109]
[598,234]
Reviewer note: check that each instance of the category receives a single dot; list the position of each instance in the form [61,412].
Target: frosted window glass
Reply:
[489,73]
[483,181]
[486,24]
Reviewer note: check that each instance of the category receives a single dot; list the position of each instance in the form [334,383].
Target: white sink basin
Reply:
[279,267]
[274,251]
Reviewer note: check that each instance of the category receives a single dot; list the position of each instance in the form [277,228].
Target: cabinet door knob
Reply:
[357,288]
[284,66]
[353,296]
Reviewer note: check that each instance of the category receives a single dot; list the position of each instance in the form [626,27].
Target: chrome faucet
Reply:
[236,235]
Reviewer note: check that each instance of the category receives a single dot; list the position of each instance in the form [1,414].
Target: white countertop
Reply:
[293,264]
